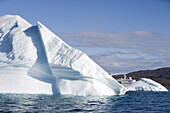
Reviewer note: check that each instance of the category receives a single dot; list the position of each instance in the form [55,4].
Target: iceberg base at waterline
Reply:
[18,81]
[34,60]
[145,84]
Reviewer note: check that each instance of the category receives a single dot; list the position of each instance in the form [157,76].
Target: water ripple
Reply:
[147,102]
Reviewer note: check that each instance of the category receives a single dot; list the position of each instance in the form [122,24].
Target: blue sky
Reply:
[120,35]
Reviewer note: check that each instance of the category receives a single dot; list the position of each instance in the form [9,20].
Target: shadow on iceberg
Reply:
[6,43]
[41,69]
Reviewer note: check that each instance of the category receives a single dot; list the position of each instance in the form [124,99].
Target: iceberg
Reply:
[34,60]
[145,84]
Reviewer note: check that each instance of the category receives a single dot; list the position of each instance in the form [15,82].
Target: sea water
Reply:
[130,102]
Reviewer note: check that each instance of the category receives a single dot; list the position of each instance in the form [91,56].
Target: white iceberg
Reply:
[145,84]
[34,60]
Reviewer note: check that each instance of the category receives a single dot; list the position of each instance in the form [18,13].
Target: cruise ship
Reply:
[126,81]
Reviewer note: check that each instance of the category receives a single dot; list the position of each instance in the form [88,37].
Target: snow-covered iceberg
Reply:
[145,84]
[34,60]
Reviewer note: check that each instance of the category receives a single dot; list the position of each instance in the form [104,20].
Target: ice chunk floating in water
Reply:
[145,84]
[34,60]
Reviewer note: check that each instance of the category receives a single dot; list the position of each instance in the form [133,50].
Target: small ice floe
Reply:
[145,84]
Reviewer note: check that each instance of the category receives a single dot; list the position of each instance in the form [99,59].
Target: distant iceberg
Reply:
[145,84]
[34,60]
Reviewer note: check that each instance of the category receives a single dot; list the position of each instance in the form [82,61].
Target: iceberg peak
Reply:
[35,60]
[13,19]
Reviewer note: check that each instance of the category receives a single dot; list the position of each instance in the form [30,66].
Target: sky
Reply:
[121,36]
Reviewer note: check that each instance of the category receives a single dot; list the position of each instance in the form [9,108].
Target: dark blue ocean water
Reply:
[141,102]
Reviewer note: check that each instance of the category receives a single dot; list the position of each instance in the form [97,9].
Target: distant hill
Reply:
[161,75]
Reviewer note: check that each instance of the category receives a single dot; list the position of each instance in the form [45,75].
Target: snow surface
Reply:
[34,60]
[145,84]
[17,55]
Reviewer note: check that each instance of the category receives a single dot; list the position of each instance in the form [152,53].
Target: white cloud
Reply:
[136,50]
[132,39]
[113,62]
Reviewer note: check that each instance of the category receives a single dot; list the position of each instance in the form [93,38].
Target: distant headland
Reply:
[161,75]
